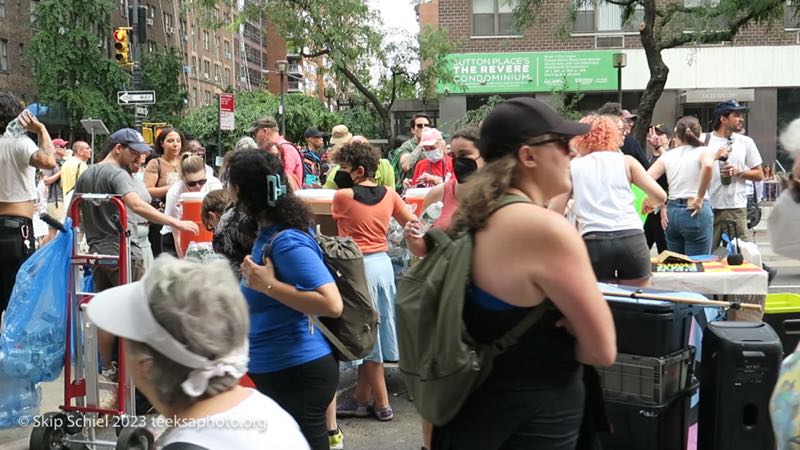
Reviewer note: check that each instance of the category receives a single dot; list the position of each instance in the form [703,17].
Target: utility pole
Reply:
[136,71]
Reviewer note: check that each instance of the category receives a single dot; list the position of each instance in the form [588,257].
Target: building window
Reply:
[227,79]
[195,99]
[601,16]
[205,40]
[217,48]
[32,10]
[494,18]
[195,67]
[790,12]
[206,68]
[208,97]
[168,24]
[217,73]
[2,8]
[123,8]
[3,55]
[228,50]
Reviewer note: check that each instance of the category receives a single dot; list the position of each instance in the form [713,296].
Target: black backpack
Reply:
[353,334]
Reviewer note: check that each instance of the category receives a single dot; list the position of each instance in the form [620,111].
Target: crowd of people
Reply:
[195,328]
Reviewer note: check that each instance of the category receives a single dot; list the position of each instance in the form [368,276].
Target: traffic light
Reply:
[122,46]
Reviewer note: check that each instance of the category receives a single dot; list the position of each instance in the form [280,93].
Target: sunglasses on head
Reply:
[422,125]
[197,183]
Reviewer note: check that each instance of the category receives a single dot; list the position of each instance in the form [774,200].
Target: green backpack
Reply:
[441,362]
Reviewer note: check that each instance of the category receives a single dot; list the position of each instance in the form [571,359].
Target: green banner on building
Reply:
[503,73]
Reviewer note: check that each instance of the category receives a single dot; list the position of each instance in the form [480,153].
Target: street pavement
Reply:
[403,433]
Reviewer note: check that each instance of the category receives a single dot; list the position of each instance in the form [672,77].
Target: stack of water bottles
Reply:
[33,330]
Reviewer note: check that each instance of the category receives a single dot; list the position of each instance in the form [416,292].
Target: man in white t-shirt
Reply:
[729,201]
[19,159]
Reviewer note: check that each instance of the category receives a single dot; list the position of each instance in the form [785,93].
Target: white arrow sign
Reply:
[136,97]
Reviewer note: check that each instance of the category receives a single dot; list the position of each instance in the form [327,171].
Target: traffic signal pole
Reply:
[136,71]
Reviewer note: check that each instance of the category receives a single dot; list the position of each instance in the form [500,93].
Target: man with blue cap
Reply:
[100,221]
[728,190]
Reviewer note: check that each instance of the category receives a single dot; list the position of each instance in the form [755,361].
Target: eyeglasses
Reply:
[549,139]
[197,183]
[422,125]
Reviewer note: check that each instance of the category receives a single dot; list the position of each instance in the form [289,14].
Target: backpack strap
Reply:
[333,339]
[506,341]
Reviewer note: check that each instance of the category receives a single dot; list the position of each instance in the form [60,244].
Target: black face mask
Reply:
[464,167]
[343,180]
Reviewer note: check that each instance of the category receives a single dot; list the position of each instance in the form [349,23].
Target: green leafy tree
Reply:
[349,33]
[475,116]
[161,71]
[664,25]
[360,119]
[302,111]
[70,66]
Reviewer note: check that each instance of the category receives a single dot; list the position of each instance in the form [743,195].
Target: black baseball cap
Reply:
[312,132]
[729,106]
[515,121]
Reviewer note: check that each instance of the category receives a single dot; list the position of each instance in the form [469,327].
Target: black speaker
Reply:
[740,363]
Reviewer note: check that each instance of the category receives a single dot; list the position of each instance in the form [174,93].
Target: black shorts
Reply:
[618,255]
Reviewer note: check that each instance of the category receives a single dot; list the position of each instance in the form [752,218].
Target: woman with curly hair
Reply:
[604,203]
[284,281]
[362,209]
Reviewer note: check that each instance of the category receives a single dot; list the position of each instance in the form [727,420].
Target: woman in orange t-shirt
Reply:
[362,210]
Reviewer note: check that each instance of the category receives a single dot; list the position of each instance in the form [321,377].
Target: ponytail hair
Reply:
[479,196]
[192,164]
[688,131]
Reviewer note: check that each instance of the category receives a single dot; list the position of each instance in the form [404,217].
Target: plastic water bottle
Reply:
[14,129]
[723,178]
[19,397]
[432,213]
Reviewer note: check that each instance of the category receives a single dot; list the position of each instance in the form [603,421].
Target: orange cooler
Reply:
[192,205]
[320,201]
[416,198]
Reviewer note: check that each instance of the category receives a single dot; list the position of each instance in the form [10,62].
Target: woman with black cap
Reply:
[534,396]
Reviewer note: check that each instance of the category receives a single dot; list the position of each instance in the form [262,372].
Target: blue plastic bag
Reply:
[32,340]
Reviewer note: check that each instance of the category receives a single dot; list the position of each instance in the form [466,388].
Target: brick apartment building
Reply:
[758,68]
[15,33]
[214,59]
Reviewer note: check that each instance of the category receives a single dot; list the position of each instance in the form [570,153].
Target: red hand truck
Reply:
[82,420]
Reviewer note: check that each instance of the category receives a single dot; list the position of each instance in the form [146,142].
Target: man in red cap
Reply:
[52,179]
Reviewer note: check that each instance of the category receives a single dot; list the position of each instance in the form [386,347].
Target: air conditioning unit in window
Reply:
[150,21]
[228,55]
[216,79]
[170,30]
[609,42]
[205,75]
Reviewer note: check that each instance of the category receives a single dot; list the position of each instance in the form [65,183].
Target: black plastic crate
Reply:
[651,327]
[648,379]
[649,427]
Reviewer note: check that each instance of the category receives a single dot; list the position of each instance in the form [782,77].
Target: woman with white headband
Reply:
[185,329]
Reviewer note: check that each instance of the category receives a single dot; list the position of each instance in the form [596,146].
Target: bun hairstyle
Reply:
[192,164]
[688,130]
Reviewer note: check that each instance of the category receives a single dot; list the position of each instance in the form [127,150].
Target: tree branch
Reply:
[325,51]
[710,37]
[364,90]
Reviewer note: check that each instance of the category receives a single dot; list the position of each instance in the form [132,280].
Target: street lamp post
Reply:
[620,61]
[282,67]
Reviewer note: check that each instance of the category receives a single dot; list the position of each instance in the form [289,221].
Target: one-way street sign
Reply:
[136,97]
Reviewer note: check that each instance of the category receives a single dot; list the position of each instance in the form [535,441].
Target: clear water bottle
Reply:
[724,178]
[14,129]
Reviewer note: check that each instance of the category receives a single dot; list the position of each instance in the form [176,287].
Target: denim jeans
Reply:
[686,234]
